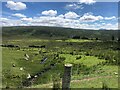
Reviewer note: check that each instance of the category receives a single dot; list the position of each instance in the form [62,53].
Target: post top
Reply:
[68,65]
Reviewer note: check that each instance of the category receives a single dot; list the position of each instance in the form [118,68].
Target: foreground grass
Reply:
[107,74]
[13,76]
[95,82]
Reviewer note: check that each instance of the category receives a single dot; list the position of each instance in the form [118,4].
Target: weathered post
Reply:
[66,77]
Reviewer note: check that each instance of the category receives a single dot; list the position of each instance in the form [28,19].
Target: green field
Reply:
[94,62]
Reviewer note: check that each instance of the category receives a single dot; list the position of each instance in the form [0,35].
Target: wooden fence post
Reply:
[66,77]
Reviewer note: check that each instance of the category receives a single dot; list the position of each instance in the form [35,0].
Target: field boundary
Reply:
[85,79]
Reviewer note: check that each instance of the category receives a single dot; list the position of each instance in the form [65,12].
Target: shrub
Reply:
[62,58]
[79,57]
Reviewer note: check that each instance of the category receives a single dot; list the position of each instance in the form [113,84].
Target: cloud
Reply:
[110,18]
[16,5]
[26,19]
[87,1]
[110,26]
[10,22]
[88,17]
[73,6]
[19,15]
[49,13]
[4,19]
[69,20]
[58,22]
[53,21]
[71,15]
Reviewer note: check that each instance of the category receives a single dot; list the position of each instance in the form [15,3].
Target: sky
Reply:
[85,14]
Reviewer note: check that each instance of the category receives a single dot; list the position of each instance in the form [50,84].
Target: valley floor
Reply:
[94,63]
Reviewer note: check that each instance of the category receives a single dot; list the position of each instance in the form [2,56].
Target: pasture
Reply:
[94,62]
[34,57]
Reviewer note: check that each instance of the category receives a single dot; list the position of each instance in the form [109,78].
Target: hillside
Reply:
[55,32]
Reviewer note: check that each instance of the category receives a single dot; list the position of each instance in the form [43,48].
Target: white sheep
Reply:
[115,73]
[29,76]
[27,56]
[35,76]
[21,68]
[13,65]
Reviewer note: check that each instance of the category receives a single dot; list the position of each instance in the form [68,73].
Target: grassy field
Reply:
[34,57]
[96,82]
[88,71]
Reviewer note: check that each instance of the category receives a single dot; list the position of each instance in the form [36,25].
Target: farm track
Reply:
[89,79]
[78,81]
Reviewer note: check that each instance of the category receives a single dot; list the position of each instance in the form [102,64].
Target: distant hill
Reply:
[55,32]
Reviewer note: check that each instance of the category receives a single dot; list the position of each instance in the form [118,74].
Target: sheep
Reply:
[13,65]
[29,76]
[115,73]
[27,56]
[21,68]
[35,76]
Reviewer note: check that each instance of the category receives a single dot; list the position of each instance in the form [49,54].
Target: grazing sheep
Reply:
[35,76]
[27,56]
[29,76]
[13,65]
[115,73]
[21,68]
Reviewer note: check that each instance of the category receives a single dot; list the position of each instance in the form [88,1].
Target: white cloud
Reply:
[11,22]
[71,15]
[61,21]
[50,13]
[4,19]
[27,19]
[19,15]
[90,18]
[110,26]
[110,18]
[87,1]
[16,5]
[73,6]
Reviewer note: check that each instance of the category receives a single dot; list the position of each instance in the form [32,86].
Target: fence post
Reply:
[66,77]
